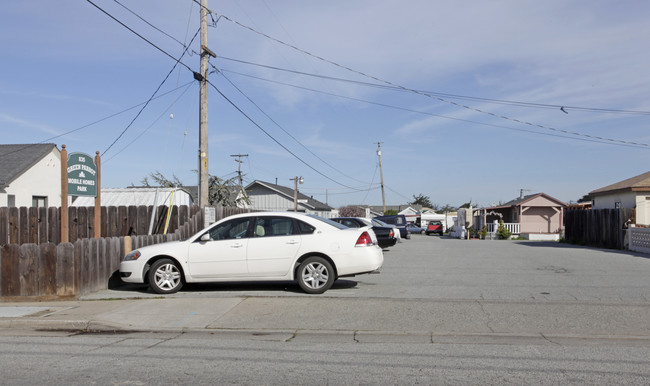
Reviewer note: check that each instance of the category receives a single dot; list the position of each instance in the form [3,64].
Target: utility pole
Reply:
[296,180]
[381,174]
[203,108]
[239,161]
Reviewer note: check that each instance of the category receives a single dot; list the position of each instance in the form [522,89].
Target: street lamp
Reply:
[295,191]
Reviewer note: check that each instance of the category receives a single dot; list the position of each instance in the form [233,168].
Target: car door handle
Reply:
[238,245]
[292,242]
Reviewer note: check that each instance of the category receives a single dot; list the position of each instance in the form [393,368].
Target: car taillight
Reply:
[364,240]
[391,234]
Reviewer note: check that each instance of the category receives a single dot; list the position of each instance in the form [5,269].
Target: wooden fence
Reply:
[43,225]
[601,228]
[70,270]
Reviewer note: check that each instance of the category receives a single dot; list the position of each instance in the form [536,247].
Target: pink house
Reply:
[532,216]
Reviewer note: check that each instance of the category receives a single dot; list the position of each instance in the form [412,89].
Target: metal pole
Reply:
[203,110]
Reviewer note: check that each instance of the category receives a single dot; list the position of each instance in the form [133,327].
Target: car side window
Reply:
[304,228]
[273,226]
[234,229]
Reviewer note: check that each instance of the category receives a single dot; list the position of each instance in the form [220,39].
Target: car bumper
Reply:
[362,260]
[131,272]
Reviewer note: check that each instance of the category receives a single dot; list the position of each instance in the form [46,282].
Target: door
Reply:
[273,247]
[224,254]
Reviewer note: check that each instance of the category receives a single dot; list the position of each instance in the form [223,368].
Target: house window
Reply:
[39,201]
[617,204]
[515,216]
[11,200]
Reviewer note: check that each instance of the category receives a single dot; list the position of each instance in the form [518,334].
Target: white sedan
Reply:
[262,246]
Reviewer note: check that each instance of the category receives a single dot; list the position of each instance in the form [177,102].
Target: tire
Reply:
[315,275]
[165,277]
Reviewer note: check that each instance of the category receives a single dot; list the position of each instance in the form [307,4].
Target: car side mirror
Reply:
[206,237]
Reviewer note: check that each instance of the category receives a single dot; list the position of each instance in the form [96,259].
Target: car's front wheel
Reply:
[315,275]
[165,277]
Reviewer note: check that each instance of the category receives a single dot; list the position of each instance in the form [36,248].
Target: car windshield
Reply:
[328,221]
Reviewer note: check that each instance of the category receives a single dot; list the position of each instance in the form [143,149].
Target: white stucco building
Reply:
[30,175]
[631,193]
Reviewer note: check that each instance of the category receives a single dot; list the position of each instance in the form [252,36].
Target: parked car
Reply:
[380,223]
[385,234]
[398,220]
[263,246]
[434,227]
[413,228]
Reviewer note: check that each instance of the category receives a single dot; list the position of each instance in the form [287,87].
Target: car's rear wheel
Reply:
[315,275]
[165,277]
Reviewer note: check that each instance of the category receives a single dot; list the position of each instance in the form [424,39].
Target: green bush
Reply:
[502,232]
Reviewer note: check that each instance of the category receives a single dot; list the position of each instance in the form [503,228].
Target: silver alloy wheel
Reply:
[315,275]
[165,277]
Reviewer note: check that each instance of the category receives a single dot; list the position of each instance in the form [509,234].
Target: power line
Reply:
[453,96]
[425,94]
[178,61]
[285,131]
[94,122]
[148,23]
[273,138]
[428,113]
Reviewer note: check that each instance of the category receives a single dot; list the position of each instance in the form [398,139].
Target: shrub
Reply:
[502,232]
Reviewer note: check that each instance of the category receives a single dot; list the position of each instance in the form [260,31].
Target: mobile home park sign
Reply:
[82,175]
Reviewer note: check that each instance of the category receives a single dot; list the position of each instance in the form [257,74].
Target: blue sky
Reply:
[425,78]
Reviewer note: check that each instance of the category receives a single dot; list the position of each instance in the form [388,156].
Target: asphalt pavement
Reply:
[281,311]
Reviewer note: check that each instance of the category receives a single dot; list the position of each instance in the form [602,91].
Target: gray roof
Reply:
[17,159]
[288,192]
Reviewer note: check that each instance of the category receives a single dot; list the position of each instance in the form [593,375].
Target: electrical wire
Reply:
[152,95]
[94,122]
[428,113]
[148,23]
[430,95]
[178,61]
[285,131]
[274,139]
[453,96]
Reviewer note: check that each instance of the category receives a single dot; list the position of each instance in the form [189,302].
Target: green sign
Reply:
[82,175]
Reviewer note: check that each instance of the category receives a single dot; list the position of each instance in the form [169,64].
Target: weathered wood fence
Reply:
[43,225]
[70,270]
[601,228]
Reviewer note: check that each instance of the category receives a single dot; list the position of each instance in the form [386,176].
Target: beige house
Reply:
[631,193]
[530,216]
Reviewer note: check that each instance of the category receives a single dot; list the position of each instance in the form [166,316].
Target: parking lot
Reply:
[442,311]
[433,267]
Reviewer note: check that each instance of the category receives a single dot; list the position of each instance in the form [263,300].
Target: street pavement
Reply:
[484,291]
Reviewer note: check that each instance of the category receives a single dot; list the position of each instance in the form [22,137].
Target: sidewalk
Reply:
[378,319]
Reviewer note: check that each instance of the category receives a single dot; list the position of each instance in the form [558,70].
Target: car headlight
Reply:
[133,255]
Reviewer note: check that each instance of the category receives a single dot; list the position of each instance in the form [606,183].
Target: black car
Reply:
[385,235]
[399,220]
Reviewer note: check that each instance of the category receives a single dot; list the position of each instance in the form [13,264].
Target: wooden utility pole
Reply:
[203,109]
[64,194]
[381,174]
[98,198]
[239,161]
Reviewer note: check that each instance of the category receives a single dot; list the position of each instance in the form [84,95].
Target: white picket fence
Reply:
[511,226]
[639,239]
